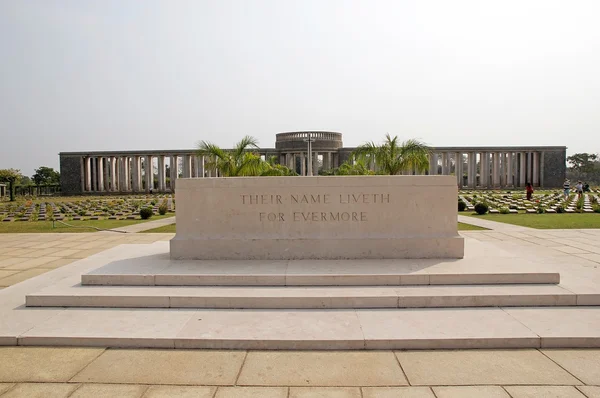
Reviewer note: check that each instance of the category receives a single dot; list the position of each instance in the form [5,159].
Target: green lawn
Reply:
[164,229]
[80,226]
[545,221]
[469,227]
[171,228]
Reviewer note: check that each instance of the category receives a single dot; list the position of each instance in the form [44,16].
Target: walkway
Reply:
[144,226]
[97,372]
[493,225]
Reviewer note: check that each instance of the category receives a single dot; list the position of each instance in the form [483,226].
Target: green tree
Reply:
[46,176]
[393,157]
[10,176]
[583,165]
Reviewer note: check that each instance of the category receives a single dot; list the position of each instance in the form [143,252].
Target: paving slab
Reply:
[324,392]
[297,368]
[163,367]
[5,387]
[272,329]
[561,327]
[109,391]
[482,367]
[397,392]
[180,392]
[544,391]
[42,364]
[252,392]
[471,392]
[41,390]
[443,328]
[583,364]
[110,328]
[590,391]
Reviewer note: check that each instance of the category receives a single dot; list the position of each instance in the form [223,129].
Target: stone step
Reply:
[160,271]
[430,328]
[309,297]
[175,278]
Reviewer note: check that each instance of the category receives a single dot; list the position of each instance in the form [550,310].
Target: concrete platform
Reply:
[564,324]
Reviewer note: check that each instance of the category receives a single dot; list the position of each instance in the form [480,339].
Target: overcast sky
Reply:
[121,75]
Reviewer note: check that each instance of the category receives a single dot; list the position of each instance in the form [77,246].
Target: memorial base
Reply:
[316,249]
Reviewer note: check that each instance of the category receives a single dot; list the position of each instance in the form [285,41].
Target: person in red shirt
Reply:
[529,190]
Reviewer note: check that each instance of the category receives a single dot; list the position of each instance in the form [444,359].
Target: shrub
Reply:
[504,210]
[596,209]
[540,209]
[146,213]
[462,206]
[481,208]
[560,209]
[162,209]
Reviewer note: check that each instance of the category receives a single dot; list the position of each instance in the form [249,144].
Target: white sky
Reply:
[120,75]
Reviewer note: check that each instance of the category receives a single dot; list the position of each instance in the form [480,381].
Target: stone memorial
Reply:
[333,217]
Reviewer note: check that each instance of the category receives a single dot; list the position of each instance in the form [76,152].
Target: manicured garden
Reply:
[545,210]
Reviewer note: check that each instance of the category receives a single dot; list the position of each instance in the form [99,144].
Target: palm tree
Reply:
[242,161]
[276,169]
[394,158]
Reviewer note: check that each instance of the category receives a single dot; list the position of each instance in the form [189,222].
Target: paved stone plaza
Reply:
[96,371]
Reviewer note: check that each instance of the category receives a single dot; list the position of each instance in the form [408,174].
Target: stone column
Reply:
[113,173]
[315,163]
[161,173]
[327,161]
[135,174]
[88,174]
[173,172]
[496,170]
[302,164]
[444,163]
[509,170]
[100,173]
[336,160]
[536,169]
[470,174]
[484,169]
[458,169]
[433,159]
[522,168]
[126,174]
[148,177]
[200,166]
[187,166]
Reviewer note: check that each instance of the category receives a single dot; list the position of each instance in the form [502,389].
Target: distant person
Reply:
[567,188]
[586,187]
[579,189]
[529,190]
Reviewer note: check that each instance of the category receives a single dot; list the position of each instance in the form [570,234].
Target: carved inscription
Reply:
[304,215]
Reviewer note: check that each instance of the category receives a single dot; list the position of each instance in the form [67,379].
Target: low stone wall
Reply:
[350,217]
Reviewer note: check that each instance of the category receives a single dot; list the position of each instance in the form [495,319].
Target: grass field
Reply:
[171,228]
[545,221]
[469,227]
[78,226]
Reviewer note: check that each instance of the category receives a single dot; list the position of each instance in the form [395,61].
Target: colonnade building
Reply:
[157,171]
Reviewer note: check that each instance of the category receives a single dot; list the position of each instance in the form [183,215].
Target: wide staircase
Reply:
[352,304]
